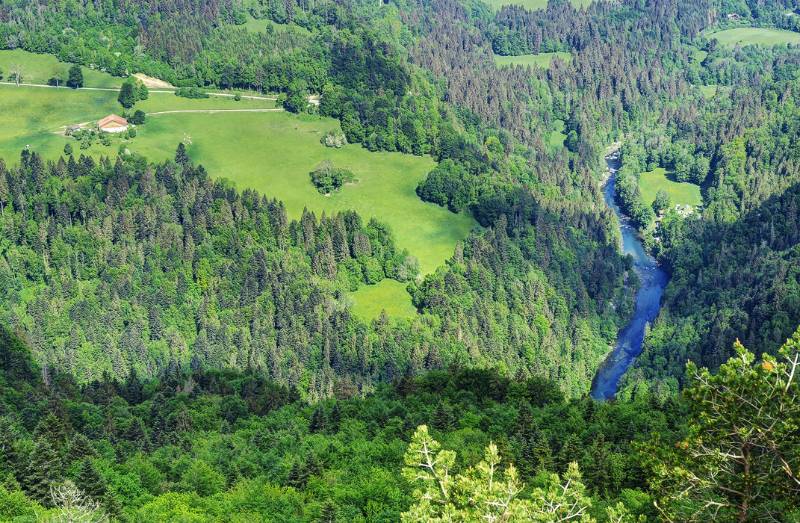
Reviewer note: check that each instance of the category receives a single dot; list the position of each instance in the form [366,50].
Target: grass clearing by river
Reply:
[755,36]
[542,60]
[388,295]
[680,193]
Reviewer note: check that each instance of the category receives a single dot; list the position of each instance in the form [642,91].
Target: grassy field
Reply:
[531,4]
[388,295]
[270,152]
[755,36]
[534,60]
[680,193]
[38,68]
[556,137]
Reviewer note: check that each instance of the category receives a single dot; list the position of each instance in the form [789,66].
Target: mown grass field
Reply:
[38,68]
[270,152]
[388,295]
[531,4]
[755,36]
[533,60]
[680,193]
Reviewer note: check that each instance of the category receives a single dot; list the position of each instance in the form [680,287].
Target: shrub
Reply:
[138,117]
[191,92]
[335,139]
[327,178]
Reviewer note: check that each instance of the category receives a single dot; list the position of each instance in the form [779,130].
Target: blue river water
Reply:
[648,298]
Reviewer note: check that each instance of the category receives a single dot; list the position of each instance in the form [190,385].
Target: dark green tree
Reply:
[42,472]
[90,482]
[75,77]
[127,95]
[181,157]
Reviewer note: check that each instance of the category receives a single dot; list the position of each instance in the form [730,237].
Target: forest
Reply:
[176,348]
[200,445]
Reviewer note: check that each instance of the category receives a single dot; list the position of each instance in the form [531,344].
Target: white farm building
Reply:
[113,124]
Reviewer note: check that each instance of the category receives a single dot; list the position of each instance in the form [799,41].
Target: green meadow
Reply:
[271,152]
[555,138]
[680,193]
[39,68]
[532,60]
[531,4]
[389,295]
[755,36]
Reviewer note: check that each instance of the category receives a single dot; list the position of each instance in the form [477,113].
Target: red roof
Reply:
[112,120]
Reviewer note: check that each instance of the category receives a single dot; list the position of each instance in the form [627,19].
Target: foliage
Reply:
[740,458]
[328,179]
[191,92]
[75,77]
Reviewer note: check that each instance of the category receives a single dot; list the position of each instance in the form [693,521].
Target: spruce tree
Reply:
[90,482]
[42,472]
[181,157]
[317,423]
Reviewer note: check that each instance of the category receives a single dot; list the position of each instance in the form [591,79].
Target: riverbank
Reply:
[652,279]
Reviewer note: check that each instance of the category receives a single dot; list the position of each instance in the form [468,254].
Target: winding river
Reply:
[648,299]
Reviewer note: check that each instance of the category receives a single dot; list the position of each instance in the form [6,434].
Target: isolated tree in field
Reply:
[741,458]
[68,149]
[75,77]
[181,157]
[127,95]
[142,92]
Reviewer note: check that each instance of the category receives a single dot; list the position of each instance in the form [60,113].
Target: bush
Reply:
[138,117]
[237,97]
[335,139]
[191,92]
[327,178]
[131,133]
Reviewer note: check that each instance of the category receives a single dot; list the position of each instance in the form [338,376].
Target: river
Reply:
[648,298]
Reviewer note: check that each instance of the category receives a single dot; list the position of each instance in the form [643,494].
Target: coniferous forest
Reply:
[175,347]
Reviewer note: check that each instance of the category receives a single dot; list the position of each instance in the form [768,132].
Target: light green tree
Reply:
[741,458]
[487,492]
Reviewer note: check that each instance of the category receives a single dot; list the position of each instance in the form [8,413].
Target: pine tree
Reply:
[9,457]
[79,448]
[42,472]
[328,512]
[90,482]
[317,423]
[442,420]
[181,156]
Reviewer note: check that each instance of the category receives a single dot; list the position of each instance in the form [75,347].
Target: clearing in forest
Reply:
[272,152]
[389,295]
[755,36]
[542,60]
[680,193]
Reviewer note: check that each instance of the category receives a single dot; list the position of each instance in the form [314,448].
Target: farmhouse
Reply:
[113,124]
